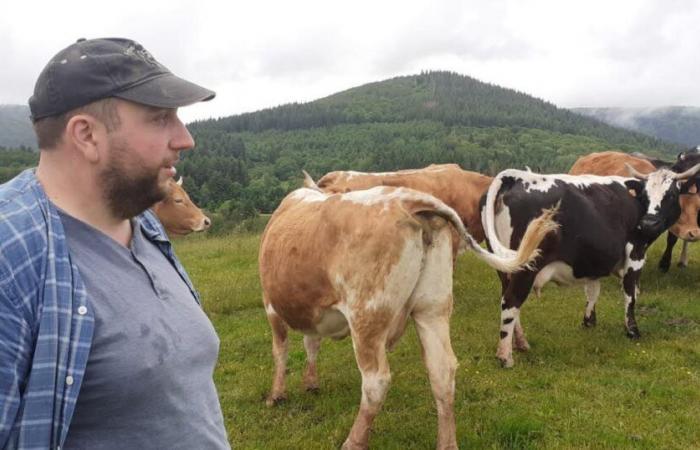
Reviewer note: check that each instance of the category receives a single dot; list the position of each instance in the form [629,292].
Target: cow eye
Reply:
[179,200]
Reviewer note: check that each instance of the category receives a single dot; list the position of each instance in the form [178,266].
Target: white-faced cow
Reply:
[606,225]
[459,189]
[360,264]
[178,214]
[686,227]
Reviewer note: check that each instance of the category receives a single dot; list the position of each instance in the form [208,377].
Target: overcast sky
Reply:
[259,53]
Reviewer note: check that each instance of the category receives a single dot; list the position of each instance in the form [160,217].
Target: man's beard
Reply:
[129,187]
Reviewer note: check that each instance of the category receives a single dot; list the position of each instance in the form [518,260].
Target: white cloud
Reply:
[265,53]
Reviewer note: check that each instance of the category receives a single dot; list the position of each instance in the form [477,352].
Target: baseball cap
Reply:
[93,69]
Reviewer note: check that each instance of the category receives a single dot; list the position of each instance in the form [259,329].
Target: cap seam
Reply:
[142,81]
[103,66]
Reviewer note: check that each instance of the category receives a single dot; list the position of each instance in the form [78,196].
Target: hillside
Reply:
[679,124]
[249,161]
[15,127]
[444,97]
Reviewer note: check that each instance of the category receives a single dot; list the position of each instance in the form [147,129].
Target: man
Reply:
[103,343]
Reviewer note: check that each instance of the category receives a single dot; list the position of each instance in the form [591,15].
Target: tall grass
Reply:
[576,388]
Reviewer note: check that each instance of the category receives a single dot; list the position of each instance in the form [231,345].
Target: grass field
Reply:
[576,388]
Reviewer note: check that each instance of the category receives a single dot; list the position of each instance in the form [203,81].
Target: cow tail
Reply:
[515,260]
[489,218]
[509,260]
[309,182]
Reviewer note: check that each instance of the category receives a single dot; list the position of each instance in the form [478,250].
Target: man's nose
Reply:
[182,139]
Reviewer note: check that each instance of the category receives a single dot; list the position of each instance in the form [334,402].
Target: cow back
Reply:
[609,163]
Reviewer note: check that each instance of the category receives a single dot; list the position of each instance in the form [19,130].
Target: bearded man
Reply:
[103,342]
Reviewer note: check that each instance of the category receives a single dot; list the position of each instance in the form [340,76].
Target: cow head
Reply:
[658,193]
[686,227]
[178,214]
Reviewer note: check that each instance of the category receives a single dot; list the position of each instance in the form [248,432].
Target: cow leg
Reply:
[311,344]
[592,290]
[515,294]
[665,262]
[434,333]
[630,289]
[279,353]
[519,339]
[683,261]
[374,367]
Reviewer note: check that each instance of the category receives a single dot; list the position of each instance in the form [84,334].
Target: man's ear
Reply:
[635,187]
[82,131]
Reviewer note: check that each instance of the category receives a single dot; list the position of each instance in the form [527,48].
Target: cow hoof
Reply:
[664,266]
[274,401]
[312,389]
[349,445]
[633,333]
[506,363]
[522,345]
[682,265]
[589,322]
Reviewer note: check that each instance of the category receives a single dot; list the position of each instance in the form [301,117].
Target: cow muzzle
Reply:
[651,226]
[204,224]
[687,234]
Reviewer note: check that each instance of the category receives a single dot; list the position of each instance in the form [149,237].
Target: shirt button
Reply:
[69,380]
[82,310]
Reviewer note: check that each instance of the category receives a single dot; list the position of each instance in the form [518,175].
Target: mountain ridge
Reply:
[678,124]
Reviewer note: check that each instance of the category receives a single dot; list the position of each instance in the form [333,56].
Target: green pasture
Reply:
[576,388]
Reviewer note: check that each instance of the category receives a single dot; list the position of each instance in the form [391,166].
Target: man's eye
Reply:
[161,119]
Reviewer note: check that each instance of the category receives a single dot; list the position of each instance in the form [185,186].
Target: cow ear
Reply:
[689,186]
[693,186]
[635,187]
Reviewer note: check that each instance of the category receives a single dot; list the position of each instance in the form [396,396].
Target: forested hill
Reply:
[445,97]
[250,161]
[680,124]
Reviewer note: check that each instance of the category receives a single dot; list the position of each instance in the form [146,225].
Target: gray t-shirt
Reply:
[148,382]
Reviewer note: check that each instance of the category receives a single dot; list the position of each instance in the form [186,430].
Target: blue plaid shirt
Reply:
[46,323]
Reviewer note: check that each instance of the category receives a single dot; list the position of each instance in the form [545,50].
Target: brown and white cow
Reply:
[610,163]
[178,214]
[361,263]
[686,228]
[460,189]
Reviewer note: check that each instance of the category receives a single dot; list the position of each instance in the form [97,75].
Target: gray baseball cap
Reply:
[94,69]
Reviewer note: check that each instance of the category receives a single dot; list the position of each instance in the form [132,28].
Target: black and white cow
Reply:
[605,227]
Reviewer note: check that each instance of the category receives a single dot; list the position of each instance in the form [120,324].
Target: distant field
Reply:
[576,388]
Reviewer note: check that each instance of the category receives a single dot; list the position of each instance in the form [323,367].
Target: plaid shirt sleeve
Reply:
[15,358]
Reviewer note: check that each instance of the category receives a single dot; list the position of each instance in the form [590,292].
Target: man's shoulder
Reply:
[18,193]
[20,202]
[23,225]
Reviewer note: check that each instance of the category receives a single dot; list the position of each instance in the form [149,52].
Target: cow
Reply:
[610,163]
[460,189]
[178,214]
[606,224]
[686,228]
[361,263]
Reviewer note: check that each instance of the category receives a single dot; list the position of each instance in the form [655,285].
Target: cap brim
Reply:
[166,91]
